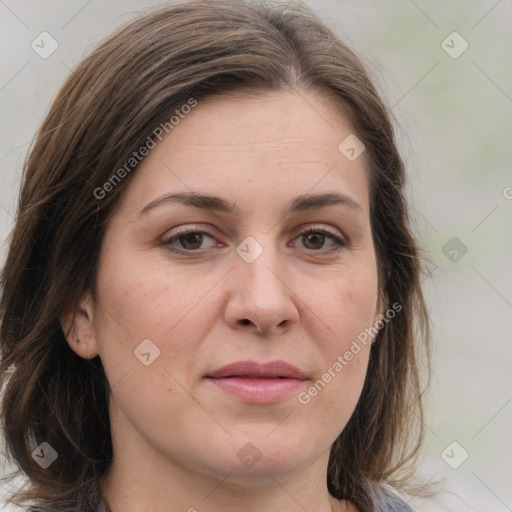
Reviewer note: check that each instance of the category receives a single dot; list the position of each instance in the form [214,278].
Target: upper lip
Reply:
[274,369]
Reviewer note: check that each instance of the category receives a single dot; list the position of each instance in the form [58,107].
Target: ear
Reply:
[78,327]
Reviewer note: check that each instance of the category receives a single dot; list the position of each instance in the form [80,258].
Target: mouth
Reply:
[258,383]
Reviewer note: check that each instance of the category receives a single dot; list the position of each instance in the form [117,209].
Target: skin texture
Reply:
[176,435]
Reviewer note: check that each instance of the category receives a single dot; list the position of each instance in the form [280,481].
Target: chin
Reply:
[260,459]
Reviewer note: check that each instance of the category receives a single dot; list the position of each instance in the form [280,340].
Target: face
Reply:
[230,285]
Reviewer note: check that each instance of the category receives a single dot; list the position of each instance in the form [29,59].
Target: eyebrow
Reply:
[218,204]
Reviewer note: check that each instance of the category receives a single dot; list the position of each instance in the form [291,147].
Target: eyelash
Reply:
[339,243]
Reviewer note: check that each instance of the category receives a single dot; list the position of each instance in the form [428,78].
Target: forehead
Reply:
[246,145]
[268,121]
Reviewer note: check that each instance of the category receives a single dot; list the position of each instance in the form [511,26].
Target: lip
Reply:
[258,382]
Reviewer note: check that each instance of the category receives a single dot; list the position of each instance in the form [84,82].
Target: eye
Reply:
[314,239]
[191,240]
[188,240]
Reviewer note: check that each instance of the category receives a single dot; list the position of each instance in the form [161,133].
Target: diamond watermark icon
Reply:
[351,147]
[454,455]
[249,249]
[454,45]
[44,45]
[45,455]
[146,352]
[249,455]
[454,249]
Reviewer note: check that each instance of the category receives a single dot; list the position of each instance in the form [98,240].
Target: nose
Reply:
[261,298]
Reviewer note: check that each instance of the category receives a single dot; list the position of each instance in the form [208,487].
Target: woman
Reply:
[212,296]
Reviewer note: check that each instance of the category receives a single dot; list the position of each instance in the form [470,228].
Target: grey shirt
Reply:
[390,503]
[393,503]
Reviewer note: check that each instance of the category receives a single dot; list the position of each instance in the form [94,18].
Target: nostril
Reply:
[246,321]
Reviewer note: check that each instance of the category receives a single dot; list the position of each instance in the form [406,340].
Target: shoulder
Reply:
[392,503]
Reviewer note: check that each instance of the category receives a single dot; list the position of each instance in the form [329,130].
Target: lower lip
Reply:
[259,390]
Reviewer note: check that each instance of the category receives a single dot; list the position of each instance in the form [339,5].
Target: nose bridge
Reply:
[261,296]
[261,268]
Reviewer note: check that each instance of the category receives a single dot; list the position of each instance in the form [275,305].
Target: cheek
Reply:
[140,299]
[146,291]
[341,315]
[344,306]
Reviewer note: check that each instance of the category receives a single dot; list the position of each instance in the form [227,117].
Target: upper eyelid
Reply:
[198,228]
[320,227]
[338,238]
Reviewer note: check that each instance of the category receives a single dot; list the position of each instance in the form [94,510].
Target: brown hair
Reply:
[108,108]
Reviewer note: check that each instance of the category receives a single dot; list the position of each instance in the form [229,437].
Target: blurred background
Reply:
[444,69]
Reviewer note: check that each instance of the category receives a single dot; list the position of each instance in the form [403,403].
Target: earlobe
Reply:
[77,324]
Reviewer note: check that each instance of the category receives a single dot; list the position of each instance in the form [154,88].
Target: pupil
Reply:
[195,238]
[316,239]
